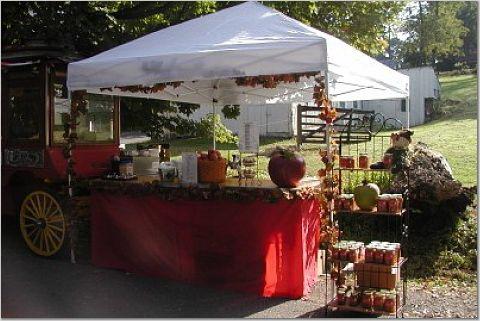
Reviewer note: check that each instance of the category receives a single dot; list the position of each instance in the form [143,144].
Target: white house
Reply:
[424,90]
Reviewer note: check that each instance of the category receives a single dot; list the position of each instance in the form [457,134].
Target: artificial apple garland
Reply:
[329,232]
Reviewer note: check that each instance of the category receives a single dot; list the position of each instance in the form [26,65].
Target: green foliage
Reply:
[231,111]
[222,133]
[352,179]
[91,27]
[433,33]
[359,23]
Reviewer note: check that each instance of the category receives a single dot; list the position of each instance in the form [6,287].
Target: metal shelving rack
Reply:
[398,222]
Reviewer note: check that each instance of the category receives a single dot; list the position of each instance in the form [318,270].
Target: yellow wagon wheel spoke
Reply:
[52,233]
[54,227]
[33,211]
[44,232]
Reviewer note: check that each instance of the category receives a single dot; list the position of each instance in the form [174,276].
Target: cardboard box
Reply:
[372,275]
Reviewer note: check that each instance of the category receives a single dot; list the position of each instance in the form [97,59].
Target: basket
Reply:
[212,171]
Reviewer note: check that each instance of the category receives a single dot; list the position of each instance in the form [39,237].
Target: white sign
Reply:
[248,137]
[189,168]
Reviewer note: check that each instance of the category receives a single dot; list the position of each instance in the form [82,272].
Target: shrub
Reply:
[222,133]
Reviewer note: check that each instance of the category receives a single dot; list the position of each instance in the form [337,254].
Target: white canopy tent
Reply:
[245,40]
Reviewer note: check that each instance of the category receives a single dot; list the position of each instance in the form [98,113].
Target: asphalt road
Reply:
[38,287]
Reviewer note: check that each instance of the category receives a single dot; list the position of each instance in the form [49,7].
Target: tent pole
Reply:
[407,103]
[213,120]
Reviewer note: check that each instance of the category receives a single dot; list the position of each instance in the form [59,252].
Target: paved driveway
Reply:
[37,287]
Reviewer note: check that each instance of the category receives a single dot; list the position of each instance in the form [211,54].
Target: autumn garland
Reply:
[265,81]
[329,230]
[196,192]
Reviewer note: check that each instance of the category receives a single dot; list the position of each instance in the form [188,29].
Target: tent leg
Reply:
[213,119]
[408,111]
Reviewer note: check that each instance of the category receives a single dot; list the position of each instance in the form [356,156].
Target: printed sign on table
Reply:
[189,168]
[248,137]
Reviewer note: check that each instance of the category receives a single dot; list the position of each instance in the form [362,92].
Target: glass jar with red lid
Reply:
[344,161]
[367,299]
[382,203]
[363,161]
[378,300]
[390,256]
[379,255]
[343,253]
[390,303]
[353,253]
[369,254]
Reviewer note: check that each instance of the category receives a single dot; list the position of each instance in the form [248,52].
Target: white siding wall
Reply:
[273,120]
[423,84]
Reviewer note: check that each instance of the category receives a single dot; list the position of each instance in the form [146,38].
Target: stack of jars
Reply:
[350,251]
[390,203]
[344,202]
[369,299]
[347,162]
[382,253]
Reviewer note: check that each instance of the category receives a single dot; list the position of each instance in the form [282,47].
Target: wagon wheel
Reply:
[42,223]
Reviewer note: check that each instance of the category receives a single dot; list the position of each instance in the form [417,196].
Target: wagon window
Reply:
[24,112]
[96,126]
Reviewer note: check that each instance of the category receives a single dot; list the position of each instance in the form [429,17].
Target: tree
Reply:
[434,32]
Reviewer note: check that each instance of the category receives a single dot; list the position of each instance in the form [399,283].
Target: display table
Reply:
[257,239]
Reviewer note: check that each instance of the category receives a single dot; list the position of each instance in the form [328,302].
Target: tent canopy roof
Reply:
[245,40]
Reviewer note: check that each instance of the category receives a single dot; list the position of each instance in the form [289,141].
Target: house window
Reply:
[342,104]
[404,105]
[355,104]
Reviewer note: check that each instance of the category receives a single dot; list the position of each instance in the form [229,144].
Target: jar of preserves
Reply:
[363,161]
[343,162]
[393,204]
[369,254]
[353,253]
[399,198]
[361,251]
[390,303]
[354,298]
[379,300]
[351,162]
[348,202]
[382,203]
[343,253]
[390,256]
[367,299]
[341,296]
[379,255]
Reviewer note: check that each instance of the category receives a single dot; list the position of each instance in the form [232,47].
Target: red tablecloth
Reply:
[265,248]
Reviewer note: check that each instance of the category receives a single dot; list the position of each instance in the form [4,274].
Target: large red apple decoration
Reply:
[286,168]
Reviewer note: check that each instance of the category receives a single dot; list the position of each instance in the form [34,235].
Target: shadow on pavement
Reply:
[42,287]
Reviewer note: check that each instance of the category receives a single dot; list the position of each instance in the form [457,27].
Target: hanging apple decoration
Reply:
[366,196]
[286,168]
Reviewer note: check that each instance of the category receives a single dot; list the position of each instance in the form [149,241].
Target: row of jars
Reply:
[349,161]
[386,203]
[390,203]
[344,202]
[369,298]
[382,253]
[350,251]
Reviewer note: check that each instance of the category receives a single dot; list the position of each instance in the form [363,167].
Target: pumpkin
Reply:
[286,168]
[366,196]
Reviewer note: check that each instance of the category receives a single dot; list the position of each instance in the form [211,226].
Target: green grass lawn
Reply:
[462,87]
